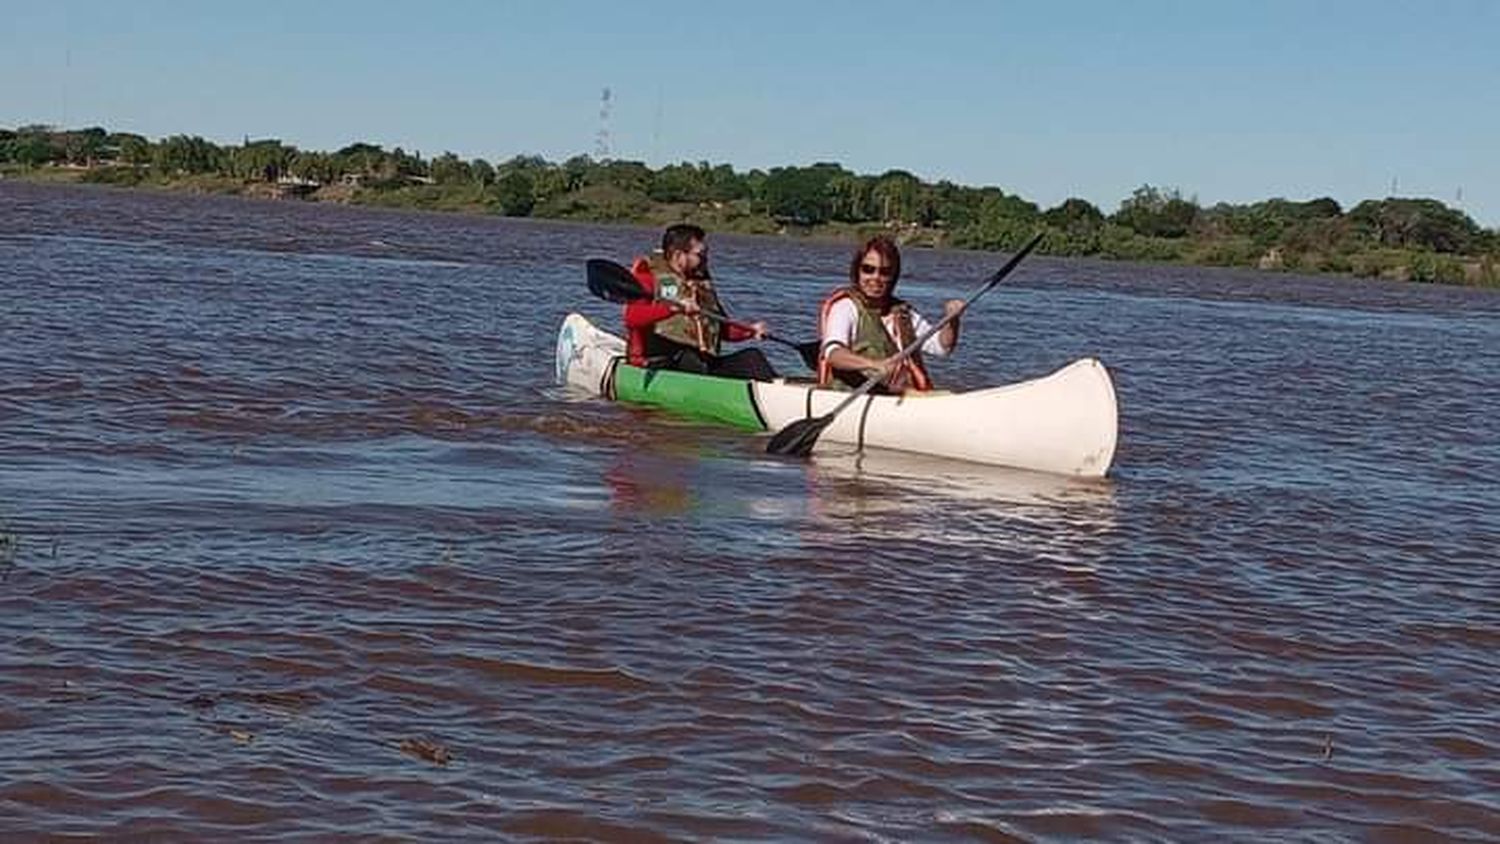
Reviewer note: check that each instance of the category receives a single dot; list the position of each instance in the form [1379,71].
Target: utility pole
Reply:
[656,130]
[601,138]
[67,72]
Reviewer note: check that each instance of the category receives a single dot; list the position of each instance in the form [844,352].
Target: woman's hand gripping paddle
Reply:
[612,282]
[798,438]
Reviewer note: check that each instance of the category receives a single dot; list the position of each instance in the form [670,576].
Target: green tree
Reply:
[401,164]
[799,194]
[1074,214]
[576,173]
[31,149]
[186,154]
[84,146]
[317,167]
[360,158]
[677,183]
[265,160]
[895,196]
[449,169]
[724,185]
[848,198]
[515,194]
[130,148]
[554,182]
[629,176]
[1416,223]
[997,204]
[1157,213]
[954,206]
[483,171]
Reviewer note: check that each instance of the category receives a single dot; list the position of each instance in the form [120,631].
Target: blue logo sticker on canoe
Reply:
[566,353]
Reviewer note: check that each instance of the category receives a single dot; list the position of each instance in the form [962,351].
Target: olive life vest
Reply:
[694,331]
[873,340]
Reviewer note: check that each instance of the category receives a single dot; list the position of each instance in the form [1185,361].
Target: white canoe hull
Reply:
[1065,423]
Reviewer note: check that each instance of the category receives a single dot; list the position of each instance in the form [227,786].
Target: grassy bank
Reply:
[1276,236]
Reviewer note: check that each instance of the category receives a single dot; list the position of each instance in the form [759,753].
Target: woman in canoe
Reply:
[669,330]
[863,325]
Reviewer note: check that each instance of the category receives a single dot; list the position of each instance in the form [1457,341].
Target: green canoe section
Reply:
[727,401]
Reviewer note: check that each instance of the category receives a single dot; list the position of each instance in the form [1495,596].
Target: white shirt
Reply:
[843,318]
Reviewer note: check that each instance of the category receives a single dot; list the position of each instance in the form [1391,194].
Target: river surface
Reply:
[299,541]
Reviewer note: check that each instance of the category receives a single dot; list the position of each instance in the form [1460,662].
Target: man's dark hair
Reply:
[680,237]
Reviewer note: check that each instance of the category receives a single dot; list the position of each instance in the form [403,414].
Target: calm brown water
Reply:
[301,543]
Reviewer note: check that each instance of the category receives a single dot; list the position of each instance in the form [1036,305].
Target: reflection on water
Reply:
[955,480]
[881,493]
[872,495]
[653,482]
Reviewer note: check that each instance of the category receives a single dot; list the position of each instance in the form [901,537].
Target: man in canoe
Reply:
[863,325]
[671,331]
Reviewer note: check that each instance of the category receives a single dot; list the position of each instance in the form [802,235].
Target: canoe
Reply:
[1066,422]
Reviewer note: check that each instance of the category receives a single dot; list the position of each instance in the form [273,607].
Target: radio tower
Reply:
[601,139]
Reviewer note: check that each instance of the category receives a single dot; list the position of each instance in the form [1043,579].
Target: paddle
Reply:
[798,437]
[612,282]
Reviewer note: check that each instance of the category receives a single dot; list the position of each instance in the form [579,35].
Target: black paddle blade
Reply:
[612,282]
[810,352]
[798,438]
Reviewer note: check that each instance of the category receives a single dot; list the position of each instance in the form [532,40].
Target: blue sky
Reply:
[1224,101]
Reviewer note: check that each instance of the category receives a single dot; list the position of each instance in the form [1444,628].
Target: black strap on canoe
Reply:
[607,387]
[864,414]
[755,405]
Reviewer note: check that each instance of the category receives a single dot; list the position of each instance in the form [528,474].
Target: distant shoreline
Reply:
[741,217]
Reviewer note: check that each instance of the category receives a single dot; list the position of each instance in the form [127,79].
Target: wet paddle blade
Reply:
[798,438]
[810,353]
[613,282]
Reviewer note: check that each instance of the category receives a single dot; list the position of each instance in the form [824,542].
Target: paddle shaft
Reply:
[933,329]
[723,320]
[808,351]
[612,281]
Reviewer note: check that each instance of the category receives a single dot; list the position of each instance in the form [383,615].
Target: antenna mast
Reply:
[601,138]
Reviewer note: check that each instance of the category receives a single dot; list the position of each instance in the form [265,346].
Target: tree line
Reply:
[1421,239]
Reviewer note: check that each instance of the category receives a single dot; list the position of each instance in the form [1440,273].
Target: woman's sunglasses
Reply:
[871,269]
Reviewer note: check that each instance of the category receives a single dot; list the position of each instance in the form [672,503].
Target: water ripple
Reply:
[297,540]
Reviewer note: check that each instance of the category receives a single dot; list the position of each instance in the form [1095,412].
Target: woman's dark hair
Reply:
[885,248]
